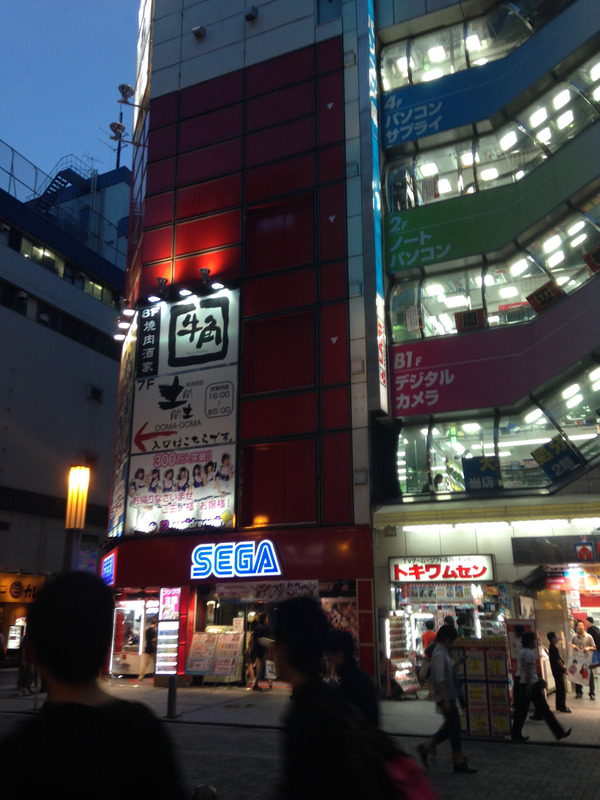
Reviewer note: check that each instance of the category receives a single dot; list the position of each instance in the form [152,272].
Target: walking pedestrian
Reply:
[446,693]
[583,642]
[531,690]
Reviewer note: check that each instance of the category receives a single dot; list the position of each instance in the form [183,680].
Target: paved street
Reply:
[230,737]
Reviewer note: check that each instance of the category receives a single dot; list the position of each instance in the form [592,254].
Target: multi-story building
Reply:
[398,202]
[61,285]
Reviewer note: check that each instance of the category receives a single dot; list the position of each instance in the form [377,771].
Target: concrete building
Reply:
[61,286]
[392,197]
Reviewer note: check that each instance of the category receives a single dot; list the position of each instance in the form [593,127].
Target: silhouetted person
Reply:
[559,670]
[62,751]
[531,691]
[355,685]
[330,751]
[262,631]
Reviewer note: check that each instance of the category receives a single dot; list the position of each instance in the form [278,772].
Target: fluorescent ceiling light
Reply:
[448,323]
[507,141]
[544,135]
[533,415]
[519,267]
[509,291]
[473,42]
[489,174]
[471,427]
[574,401]
[519,175]
[562,280]
[432,75]
[578,240]
[595,72]
[444,186]
[556,258]
[466,159]
[435,289]
[437,54]
[494,319]
[428,170]
[596,386]
[565,119]
[595,374]
[551,244]
[596,94]
[456,300]
[570,391]
[561,99]
[538,117]
[576,228]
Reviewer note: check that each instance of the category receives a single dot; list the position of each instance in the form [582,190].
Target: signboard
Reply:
[584,551]
[202,653]
[228,654]
[183,432]
[481,473]
[169,604]
[167,642]
[557,458]
[108,568]
[234,560]
[430,569]
[545,296]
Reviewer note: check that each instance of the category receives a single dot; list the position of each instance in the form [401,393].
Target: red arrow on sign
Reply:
[141,437]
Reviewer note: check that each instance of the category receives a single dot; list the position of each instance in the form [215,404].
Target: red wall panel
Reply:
[158,209]
[217,126]
[278,292]
[278,72]
[208,232]
[162,143]
[333,280]
[223,264]
[279,353]
[332,165]
[157,244]
[280,142]
[334,344]
[336,479]
[163,110]
[210,162]
[291,175]
[330,55]
[160,176]
[332,221]
[287,415]
[279,483]
[280,235]
[277,107]
[330,108]
[202,198]
[335,408]
[216,93]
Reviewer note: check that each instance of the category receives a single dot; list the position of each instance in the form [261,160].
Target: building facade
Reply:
[344,261]
[60,291]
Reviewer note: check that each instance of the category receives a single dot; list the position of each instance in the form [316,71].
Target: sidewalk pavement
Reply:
[237,706]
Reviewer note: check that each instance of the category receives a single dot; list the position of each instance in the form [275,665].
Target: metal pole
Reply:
[172,697]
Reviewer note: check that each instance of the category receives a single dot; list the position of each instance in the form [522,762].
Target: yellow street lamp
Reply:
[79,481]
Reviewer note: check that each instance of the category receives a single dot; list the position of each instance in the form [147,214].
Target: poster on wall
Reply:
[182,490]
[228,654]
[182,451]
[202,653]
[579,665]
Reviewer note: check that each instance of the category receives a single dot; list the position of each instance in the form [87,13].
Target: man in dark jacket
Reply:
[355,685]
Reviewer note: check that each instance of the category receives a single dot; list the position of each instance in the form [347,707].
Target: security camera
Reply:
[199,32]
[251,13]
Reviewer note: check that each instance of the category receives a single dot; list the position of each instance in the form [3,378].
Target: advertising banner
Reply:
[181,491]
[202,653]
[429,569]
[183,432]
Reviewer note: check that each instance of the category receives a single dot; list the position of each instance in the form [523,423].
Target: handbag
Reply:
[408,778]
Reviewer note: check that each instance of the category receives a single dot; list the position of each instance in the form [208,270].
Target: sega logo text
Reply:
[235,560]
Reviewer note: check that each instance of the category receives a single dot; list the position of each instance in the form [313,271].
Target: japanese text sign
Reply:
[429,569]
[481,473]
[557,458]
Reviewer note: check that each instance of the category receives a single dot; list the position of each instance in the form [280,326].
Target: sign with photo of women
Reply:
[181,491]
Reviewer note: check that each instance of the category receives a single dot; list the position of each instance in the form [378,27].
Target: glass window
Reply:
[507,287]
[412,460]
[453,441]
[439,53]
[445,295]
[394,66]
[575,408]
[506,30]
[562,248]
[400,189]
[405,318]
[518,436]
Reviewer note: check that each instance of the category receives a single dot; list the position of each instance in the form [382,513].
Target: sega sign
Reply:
[235,560]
